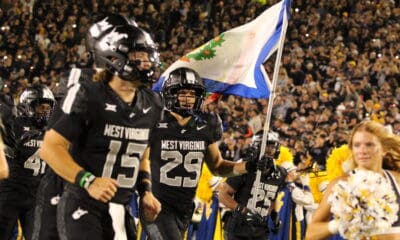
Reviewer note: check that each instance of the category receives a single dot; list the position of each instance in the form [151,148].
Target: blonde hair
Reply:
[102,76]
[390,142]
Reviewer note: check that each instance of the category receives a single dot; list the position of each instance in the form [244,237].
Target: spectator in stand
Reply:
[239,123]
[256,122]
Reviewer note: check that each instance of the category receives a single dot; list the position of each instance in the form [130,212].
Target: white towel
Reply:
[117,213]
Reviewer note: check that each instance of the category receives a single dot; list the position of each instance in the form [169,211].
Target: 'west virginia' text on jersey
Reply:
[177,154]
[26,167]
[109,136]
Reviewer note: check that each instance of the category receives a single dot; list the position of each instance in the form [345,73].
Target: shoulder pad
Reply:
[156,98]
[75,75]
[214,123]
[28,135]
[76,99]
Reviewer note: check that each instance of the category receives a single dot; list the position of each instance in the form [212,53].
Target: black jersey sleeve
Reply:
[69,126]
[236,182]
[216,125]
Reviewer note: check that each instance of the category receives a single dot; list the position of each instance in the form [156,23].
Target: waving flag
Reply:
[232,63]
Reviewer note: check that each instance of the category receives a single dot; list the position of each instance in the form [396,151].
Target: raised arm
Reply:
[224,168]
[225,196]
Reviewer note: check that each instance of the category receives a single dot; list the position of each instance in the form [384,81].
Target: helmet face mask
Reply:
[114,51]
[184,92]
[272,147]
[37,103]
[186,98]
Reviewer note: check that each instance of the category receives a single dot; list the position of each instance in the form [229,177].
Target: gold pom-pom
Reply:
[204,191]
[339,162]
[316,180]
[284,156]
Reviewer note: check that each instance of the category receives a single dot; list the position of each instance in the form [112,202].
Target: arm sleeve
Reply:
[69,126]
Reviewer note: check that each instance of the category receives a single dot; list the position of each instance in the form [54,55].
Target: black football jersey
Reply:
[266,193]
[74,76]
[7,116]
[26,168]
[108,135]
[176,157]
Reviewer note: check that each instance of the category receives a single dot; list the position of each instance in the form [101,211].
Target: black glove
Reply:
[240,209]
[254,219]
[264,162]
[276,222]
[251,166]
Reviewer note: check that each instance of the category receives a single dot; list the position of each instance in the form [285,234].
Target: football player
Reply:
[51,186]
[237,193]
[181,142]
[7,140]
[107,123]
[18,192]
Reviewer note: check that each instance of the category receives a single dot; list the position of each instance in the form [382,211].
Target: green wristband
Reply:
[84,178]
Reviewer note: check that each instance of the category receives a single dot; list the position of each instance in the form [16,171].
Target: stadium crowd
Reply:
[340,63]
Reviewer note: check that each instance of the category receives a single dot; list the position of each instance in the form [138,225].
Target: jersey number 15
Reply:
[129,159]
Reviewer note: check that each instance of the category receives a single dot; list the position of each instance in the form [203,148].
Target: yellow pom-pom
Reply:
[204,191]
[284,156]
[316,179]
[337,161]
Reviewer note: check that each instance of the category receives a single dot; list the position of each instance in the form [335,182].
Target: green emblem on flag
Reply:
[207,51]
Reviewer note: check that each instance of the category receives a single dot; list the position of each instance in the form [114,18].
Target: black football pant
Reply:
[167,226]
[47,198]
[83,218]
[232,237]
[10,212]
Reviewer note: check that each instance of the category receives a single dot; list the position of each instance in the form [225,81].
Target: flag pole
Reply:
[267,121]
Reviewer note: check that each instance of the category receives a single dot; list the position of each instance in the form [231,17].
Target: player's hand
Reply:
[151,206]
[263,163]
[254,219]
[251,217]
[276,222]
[103,189]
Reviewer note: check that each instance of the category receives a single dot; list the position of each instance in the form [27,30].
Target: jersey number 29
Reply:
[188,164]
